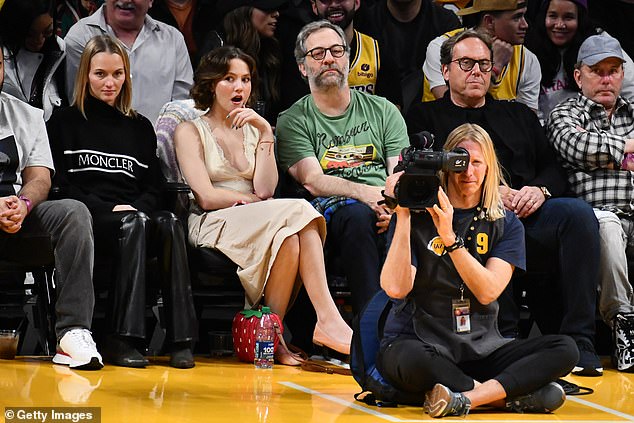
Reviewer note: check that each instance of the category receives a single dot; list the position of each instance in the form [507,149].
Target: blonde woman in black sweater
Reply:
[105,156]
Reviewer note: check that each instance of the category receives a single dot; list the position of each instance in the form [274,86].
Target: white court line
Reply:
[628,417]
[373,412]
[343,402]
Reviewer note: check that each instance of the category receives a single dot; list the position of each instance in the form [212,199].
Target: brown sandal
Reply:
[309,364]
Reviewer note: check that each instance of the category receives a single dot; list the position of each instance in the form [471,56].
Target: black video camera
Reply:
[417,188]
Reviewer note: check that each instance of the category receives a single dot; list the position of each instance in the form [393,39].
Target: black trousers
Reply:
[131,238]
[562,258]
[521,366]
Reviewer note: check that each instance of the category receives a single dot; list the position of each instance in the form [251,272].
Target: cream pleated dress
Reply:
[250,235]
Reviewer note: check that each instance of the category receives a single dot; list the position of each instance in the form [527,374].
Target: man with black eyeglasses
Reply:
[340,144]
[516,74]
[373,69]
[562,240]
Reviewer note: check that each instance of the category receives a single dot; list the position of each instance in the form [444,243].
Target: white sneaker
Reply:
[77,350]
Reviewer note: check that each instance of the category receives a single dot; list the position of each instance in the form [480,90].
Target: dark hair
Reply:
[241,33]
[212,68]
[16,17]
[548,54]
[446,49]
[473,20]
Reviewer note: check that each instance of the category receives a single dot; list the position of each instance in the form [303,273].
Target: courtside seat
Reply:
[29,308]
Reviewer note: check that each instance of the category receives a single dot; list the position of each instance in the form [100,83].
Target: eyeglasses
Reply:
[466,64]
[318,53]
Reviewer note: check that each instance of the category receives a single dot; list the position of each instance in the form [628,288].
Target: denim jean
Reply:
[59,231]
[616,234]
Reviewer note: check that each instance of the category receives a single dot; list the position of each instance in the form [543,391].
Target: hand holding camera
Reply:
[442,215]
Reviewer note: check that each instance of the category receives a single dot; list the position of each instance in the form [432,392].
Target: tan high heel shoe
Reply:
[321,338]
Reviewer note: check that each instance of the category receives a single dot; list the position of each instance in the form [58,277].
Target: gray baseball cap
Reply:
[599,47]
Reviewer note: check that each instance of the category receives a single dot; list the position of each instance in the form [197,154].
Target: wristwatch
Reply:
[545,191]
[458,244]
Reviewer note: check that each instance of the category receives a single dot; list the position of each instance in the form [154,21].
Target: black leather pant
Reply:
[130,238]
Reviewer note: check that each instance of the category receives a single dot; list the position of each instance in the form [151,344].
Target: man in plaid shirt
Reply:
[594,136]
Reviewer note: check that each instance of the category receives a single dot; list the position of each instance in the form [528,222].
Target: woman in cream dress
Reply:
[227,157]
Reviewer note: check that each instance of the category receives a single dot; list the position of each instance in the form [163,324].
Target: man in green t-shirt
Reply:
[340,145]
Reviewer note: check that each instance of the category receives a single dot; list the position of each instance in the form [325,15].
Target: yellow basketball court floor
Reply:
[224,390]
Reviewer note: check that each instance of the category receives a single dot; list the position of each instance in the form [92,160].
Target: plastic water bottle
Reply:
[264,341]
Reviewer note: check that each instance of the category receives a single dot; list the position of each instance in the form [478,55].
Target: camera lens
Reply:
[418,191]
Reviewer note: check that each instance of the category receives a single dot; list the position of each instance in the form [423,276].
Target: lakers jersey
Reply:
[506,85]
[365,64]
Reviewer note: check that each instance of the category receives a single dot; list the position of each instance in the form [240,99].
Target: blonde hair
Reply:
[96,45]
[491,200]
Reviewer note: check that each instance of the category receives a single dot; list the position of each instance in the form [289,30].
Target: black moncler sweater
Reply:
[106,158]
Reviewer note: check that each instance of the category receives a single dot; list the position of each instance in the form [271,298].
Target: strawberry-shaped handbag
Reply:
[243,331]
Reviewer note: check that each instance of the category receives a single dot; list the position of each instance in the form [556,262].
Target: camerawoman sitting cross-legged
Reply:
[445,268]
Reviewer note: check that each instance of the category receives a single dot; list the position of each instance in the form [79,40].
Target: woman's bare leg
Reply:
[331,329]
[304,252]
[279,286]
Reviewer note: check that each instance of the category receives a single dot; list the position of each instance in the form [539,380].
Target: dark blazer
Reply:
[523,150]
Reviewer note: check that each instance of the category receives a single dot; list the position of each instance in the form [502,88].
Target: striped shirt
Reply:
[591,146]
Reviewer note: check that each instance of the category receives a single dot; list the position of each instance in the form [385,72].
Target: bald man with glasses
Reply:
[341,144]
[562,239]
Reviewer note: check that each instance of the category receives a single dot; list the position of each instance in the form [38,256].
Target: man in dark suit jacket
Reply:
[561,233]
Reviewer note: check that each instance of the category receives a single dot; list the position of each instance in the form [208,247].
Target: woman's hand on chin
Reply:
[242,115]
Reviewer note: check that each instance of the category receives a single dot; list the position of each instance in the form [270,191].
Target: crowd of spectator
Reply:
[109,99]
